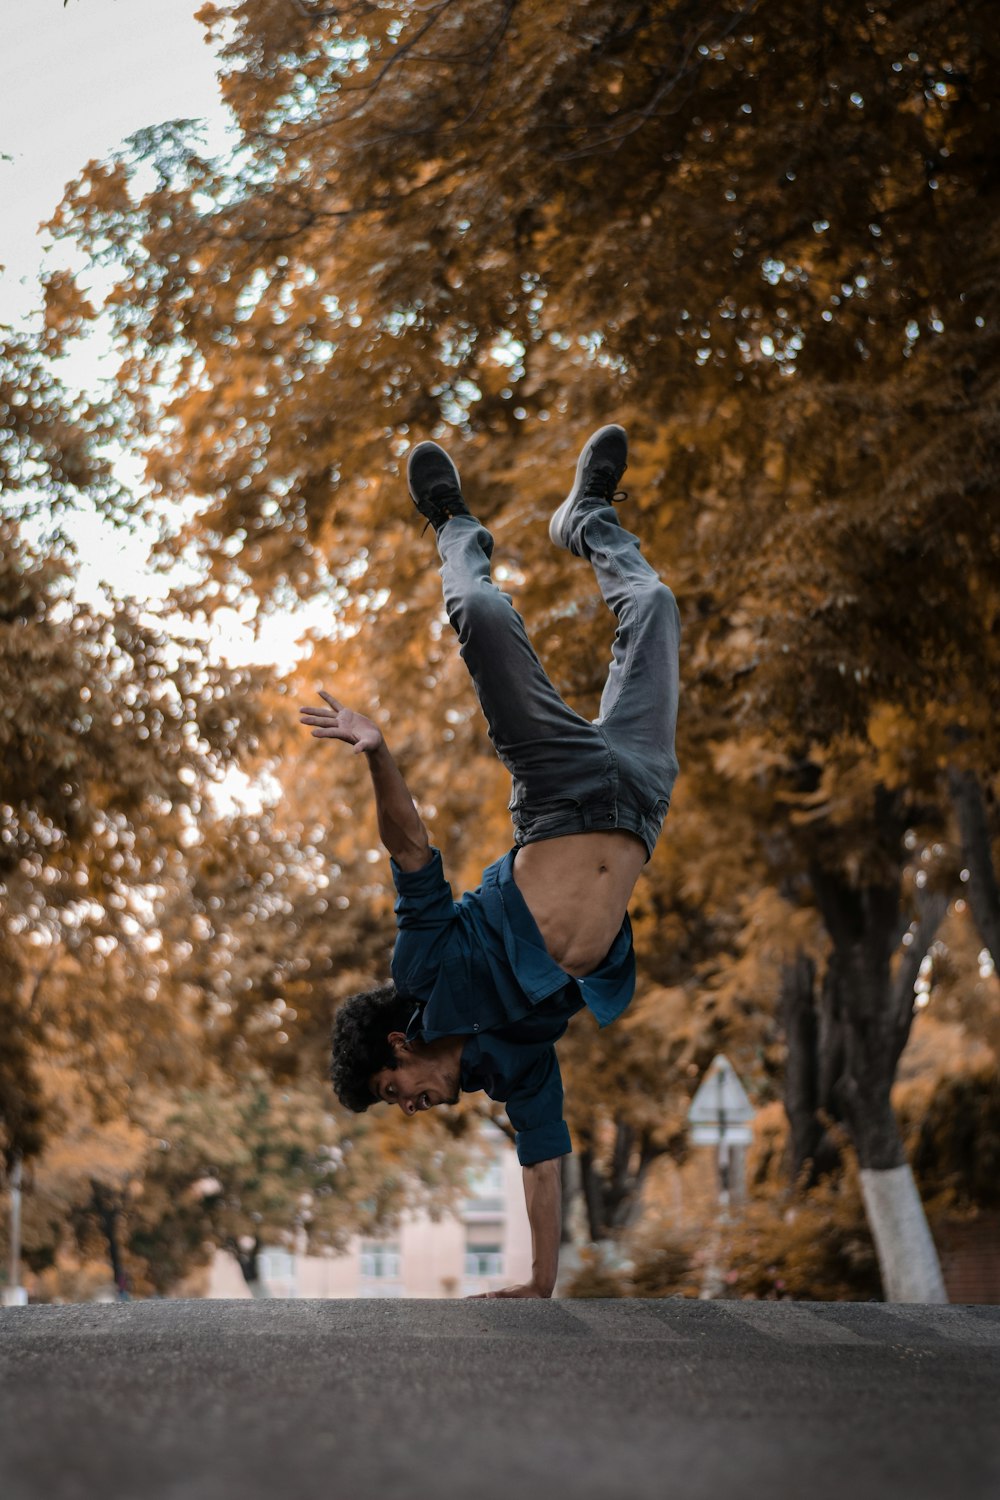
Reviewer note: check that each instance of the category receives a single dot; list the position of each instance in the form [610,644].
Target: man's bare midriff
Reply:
[577,889]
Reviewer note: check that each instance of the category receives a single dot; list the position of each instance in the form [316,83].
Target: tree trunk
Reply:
[798,1017]
[592,1196]
[611,1198]
[107,1208]
[814,1035]
[249,1264]
[907,1256]
[873,1010]
[977,854]
[572,1231]
[620,1190]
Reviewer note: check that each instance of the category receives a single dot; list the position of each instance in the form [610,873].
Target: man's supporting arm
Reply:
[399,824]
[543,1198]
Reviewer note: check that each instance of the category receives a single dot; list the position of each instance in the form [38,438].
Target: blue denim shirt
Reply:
[517,1065]
[479,968]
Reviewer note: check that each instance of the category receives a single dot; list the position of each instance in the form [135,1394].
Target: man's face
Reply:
[419,1080]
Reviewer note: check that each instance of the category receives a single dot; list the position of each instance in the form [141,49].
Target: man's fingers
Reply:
[329,698]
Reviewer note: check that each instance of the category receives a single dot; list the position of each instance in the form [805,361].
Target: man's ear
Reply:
[397,1041]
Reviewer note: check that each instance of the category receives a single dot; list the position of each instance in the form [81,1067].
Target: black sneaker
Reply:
[600,466]
[434,485]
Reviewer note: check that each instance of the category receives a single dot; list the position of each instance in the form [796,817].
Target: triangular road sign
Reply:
[720,1097]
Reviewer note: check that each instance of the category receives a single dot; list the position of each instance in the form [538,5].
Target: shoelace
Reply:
[601,484]
[444,496]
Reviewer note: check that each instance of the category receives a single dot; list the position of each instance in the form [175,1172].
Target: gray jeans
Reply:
[571,775]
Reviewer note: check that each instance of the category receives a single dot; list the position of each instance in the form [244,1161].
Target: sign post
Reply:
[720,1115]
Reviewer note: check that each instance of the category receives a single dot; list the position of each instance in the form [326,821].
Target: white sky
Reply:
[74,83]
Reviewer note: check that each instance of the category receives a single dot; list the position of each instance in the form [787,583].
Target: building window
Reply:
[484,1250]
[486,1189]
[275,1265]
[276,1269]
[483,1260]
[380,1261]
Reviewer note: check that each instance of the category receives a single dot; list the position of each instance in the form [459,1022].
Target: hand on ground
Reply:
[529,1289]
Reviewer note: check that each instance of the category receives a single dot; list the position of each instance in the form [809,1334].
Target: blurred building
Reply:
[483,1244]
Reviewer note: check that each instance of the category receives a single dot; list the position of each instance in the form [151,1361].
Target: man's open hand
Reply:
[339,723]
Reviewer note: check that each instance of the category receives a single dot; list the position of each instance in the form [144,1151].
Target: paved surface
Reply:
[499,1401]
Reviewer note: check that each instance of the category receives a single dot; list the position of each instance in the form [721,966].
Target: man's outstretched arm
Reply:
[400,826]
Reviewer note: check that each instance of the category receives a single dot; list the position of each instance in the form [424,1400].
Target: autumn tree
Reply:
[244,1164]
[111,727]
[80,1182]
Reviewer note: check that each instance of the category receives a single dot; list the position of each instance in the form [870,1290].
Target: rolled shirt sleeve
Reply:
[424,899]
[535,1109]
[426,915]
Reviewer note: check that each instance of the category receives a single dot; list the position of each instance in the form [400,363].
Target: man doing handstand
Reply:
[484,987]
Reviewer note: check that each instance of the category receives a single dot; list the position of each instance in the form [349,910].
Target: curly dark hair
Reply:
[360,1039]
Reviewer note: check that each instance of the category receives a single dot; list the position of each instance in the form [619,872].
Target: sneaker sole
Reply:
[423,448]
[558,526]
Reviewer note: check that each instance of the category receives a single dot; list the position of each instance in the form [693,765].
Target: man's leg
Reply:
[526,716]
[639,701]
[562,767]
[638,712]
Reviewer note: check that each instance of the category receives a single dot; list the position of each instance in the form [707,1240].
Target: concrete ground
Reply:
[508,1400]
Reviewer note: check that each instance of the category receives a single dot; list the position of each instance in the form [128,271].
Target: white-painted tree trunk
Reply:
[907,1256]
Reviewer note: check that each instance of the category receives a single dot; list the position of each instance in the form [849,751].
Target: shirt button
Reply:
[476,1026]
